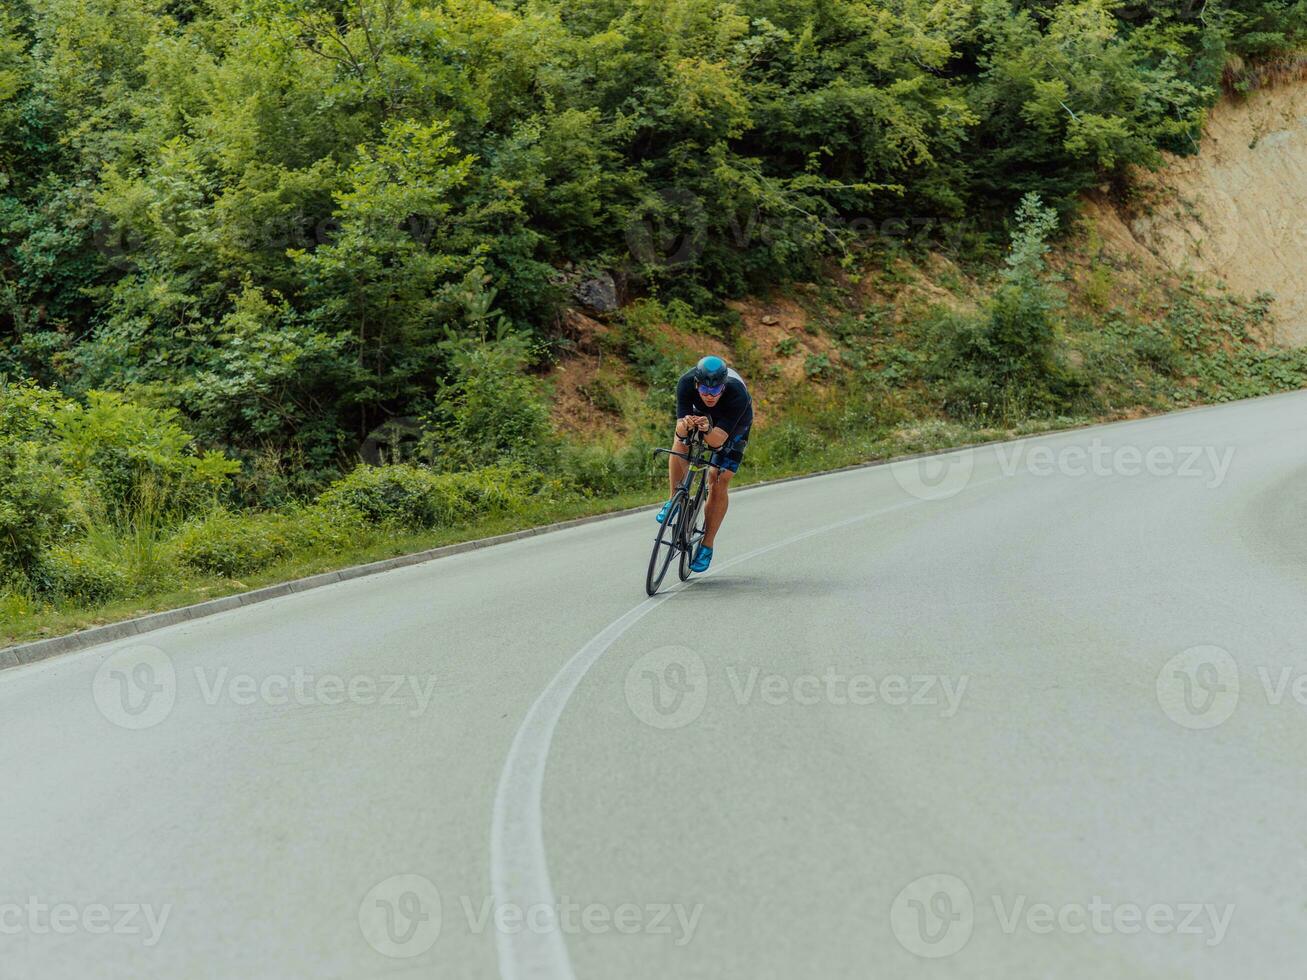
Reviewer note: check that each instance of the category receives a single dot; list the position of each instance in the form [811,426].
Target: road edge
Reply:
[35,651]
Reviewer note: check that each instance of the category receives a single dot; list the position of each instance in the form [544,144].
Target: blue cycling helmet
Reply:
[710,372]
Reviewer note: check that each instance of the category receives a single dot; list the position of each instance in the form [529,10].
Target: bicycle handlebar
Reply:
[700,452]
[701,458]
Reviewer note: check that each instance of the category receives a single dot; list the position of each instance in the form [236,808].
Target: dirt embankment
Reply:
[1237,210]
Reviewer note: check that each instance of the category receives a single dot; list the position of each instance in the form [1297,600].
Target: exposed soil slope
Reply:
[1238,209]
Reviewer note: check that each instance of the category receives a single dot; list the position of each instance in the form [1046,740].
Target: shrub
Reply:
[970,395]
[489,412]
[137,461]
[33,507]
[232,545]
[645,344]
[79,574]
[817,366]
[400,495]
[1007,353]
[781,446]
[413,498]
[1158,349]
[33,504]
[15,601]
[592,470]
[28,412]
[497,490]
[599,471]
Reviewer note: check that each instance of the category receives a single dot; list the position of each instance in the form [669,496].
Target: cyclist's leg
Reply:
[715,508]
[725,464]
[719,485]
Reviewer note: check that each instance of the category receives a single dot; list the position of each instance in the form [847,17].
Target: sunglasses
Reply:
[710,392]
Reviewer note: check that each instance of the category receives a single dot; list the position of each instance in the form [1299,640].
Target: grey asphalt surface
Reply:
[1027,711]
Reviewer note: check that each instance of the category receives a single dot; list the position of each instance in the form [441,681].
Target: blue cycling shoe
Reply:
[702,559]
[661,518]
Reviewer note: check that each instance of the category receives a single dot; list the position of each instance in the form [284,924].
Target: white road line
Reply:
[519,871]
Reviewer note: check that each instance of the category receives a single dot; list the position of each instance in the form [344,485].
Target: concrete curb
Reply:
[27,653]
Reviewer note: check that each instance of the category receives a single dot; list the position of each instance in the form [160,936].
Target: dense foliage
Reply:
[282,217]
[244,243]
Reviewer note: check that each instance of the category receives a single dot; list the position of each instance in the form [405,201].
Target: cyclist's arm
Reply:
[684,421]
[716,438]
[684,396]
[736,426]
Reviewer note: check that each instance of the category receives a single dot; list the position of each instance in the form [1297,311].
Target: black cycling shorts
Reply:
[731,455]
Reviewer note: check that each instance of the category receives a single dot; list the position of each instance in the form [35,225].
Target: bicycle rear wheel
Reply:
[665,544]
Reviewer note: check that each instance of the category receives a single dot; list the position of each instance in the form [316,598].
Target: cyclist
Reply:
[714,399]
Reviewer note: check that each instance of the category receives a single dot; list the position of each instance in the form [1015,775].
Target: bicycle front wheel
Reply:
[664,548]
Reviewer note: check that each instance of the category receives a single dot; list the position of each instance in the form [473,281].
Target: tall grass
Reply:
[130,536]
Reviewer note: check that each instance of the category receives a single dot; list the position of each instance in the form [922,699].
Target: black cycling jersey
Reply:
[733,411]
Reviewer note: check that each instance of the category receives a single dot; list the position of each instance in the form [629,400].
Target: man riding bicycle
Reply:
[715,400]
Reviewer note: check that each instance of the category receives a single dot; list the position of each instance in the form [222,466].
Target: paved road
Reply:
[1037,711]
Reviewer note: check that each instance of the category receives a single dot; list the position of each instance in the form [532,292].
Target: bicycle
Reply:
[685,525]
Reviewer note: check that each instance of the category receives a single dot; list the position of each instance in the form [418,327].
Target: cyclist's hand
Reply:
[699,422]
